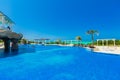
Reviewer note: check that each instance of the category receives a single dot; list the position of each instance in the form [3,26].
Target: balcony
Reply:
[5,22]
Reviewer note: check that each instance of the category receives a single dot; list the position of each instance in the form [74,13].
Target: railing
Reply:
[3,28]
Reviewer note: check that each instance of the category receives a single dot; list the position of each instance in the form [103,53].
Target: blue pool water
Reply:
[59,63]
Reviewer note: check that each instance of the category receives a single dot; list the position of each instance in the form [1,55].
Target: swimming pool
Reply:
[59,63]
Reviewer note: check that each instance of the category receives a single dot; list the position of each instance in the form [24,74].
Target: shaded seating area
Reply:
[7,35]
[105,40]
[41,41]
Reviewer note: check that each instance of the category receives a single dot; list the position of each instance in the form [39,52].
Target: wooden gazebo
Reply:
[41,40]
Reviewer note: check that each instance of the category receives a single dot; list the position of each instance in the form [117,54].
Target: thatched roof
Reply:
[10,35]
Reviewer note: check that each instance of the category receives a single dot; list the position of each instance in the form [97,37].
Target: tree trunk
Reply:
[92,39]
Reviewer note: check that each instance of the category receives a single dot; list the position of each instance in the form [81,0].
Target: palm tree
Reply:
[78,38]
[24,41]
[92,32]
[58,41]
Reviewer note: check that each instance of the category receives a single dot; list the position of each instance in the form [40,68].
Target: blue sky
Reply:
[64,19]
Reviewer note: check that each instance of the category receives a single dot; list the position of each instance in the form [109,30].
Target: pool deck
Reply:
[108,49]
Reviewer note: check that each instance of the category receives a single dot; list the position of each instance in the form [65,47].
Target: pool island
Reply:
[7,35]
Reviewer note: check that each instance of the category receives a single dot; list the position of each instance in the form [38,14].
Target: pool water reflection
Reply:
[59,63]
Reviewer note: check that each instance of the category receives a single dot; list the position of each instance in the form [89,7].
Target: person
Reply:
[8,28]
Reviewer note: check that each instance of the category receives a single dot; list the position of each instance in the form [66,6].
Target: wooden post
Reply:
[107,42]
[102,42]
[7,45]
[14,47]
